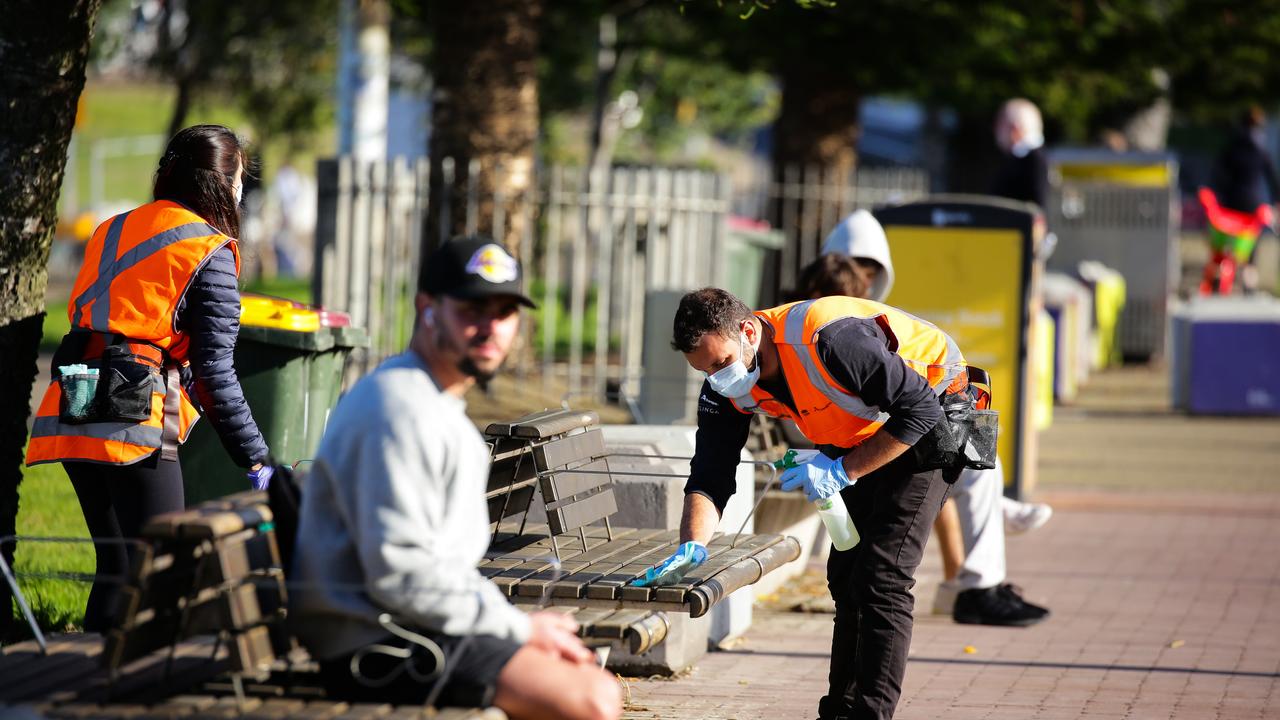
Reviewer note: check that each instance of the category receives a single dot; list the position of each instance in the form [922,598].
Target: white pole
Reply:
[365,79]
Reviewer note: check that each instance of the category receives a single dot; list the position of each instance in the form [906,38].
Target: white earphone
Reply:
[429,316]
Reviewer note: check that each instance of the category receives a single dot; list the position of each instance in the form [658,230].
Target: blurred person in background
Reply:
[1245,179]
[155,313]
[1024,173]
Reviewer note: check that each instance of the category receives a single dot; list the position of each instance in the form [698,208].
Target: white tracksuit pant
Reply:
[977,494]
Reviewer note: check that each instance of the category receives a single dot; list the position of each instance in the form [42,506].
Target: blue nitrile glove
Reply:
[261,477]
[821,477]
[672,570]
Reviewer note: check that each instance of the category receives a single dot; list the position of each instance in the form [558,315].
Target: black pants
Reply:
[893,509]
[472,681]
[117,500]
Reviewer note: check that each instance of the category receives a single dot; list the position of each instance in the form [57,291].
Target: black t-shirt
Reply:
[1024,178]
[1244,176]
[856,353]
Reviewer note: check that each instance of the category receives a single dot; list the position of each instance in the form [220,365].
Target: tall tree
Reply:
[484,116]
[44,45]
[275,60]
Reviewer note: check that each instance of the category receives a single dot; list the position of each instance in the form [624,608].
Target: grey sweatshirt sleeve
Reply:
[396,514]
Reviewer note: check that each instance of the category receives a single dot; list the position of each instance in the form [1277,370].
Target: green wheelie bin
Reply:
[289,359]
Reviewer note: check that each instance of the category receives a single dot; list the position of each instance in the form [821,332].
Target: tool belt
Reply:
[128,374]
[965,436]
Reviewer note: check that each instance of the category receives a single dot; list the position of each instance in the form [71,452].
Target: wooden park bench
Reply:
[206,588]
[561,454]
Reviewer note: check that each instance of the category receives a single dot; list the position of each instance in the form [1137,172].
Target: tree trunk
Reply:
[484,118]
[815,142]
[43,49]
[181,106]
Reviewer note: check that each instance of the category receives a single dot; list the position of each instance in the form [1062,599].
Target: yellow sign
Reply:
[968,282]
[1155,175]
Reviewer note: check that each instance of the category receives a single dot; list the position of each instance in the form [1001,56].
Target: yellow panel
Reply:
[1042,353]
[263,311]
[968,281]
[1156,176]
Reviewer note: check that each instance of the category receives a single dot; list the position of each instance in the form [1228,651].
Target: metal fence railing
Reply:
[593,244]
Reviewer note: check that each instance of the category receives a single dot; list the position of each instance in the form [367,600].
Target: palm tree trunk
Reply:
[484,119]
[44,45]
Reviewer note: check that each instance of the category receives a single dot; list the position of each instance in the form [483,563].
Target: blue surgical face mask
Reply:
[734,380]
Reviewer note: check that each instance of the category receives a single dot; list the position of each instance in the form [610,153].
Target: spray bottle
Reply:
[832,510]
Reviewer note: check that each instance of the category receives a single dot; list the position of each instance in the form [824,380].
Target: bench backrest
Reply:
[574,481]
[214,569]
[515,469]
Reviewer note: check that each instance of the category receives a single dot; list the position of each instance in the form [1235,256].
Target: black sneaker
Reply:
[999,605]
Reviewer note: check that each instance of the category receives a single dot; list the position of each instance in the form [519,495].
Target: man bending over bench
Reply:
[865,382]
[394,521]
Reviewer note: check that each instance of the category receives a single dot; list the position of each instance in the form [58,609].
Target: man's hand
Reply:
[672,570]
[820,477]
[557,633]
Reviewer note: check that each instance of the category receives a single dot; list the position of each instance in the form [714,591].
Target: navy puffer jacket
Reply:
[210,315]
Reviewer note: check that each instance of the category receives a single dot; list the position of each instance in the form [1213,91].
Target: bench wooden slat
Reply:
[563,484]
[569,451]
[68,654]
[573,515]
[701,598]
[610,586]
[616,624]
[535,557]
[575,584]
[719,544]
[624,539]
[503,505]
[544,424]
[513,470]
[746,547]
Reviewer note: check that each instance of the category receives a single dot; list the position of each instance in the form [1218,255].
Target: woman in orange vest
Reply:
[154,312]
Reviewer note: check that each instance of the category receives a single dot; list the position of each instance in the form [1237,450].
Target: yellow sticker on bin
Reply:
[257,311]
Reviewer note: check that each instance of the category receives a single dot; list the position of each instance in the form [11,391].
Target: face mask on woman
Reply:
[734,380]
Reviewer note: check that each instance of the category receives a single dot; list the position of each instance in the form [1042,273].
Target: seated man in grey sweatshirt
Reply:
[394,521]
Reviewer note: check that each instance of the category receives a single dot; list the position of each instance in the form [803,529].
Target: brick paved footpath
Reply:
[1163,577]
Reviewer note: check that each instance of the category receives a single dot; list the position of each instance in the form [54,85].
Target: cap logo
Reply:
[494,264]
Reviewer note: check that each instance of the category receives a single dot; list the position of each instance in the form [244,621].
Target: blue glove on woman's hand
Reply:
[673,569]
[820,477]
[261,477]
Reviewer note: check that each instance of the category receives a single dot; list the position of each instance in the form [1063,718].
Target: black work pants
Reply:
[117,501]
[893,509]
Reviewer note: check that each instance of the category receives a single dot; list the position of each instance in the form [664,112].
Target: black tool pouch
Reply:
[965,436]
[119,392]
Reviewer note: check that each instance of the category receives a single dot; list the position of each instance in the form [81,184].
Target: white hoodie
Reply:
[860,236]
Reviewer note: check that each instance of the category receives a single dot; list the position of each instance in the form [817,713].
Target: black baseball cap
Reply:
[472,267]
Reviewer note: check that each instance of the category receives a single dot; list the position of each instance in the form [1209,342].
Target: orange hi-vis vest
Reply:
[137,267]
[827,413]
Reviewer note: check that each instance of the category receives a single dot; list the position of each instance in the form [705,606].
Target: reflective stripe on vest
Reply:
[921,345]
[126,432]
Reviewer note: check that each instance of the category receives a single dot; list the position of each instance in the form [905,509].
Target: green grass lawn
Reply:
[115,110]
[47,507]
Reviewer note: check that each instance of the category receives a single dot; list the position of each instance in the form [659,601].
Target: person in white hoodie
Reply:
[973,588]
[385,590]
